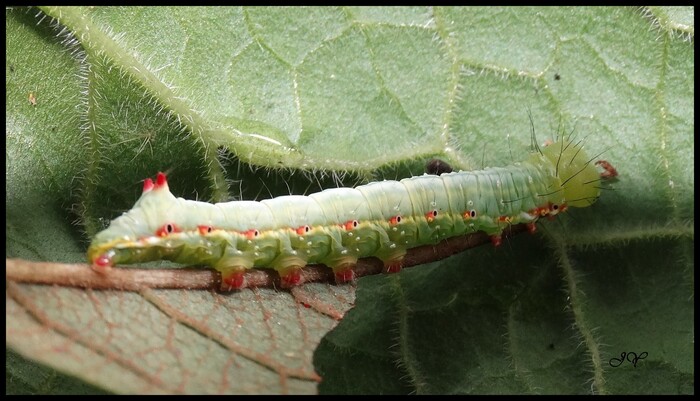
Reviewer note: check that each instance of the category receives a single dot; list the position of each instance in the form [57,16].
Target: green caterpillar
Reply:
[337,226]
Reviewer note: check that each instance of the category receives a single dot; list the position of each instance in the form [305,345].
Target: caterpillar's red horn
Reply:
[147,185]
[161,181]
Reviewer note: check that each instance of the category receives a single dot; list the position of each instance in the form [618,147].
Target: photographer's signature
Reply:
[630,357]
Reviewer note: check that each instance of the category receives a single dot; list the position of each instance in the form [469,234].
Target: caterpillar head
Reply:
[578,175]
[142,233]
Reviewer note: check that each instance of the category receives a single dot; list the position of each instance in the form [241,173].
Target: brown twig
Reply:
[135,279]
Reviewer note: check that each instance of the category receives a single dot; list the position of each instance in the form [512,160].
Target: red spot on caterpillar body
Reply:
[102,262]
[303,230]
[555,209]
[250,234]
[167,229]
[431,215]
[395,220]
[543,211]
[204,229]
[496,240]
[469,214]
[504,219]
[351,224]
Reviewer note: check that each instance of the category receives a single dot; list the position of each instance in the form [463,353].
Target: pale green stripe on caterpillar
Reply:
[337,226]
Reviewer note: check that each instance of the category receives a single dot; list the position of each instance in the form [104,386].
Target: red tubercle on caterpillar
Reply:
[147,185]
[555,209]
[552,210]
[608,172]
[540,211]
[161,181]
[496,240]
[395,220]
[167,229]
[251,234]
[303,230]
[350,225]
[431,215]
[469,214]
[505,219]
[204,230]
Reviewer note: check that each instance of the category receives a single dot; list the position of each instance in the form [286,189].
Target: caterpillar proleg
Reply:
[337,226]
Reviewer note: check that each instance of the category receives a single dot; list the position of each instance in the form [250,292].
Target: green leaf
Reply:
[232,102]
